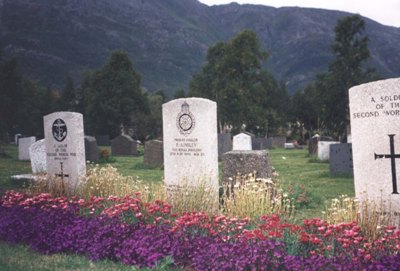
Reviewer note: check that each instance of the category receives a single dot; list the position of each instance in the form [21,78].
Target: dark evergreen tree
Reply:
[68,100]
[347,70]
[113,98]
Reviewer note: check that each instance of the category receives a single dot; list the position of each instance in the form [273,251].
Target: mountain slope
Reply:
[168,40]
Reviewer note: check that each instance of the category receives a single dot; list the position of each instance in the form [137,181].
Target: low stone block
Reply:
[323,149]
[91,149]
[123,145]
[153,154]
[224,144]
[340,159]
[236,163]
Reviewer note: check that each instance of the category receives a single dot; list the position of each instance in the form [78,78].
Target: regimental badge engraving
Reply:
[185,120]
[59,130]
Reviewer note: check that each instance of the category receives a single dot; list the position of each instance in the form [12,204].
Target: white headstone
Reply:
[323,149]
[65,148]
[37,152]
[242,142]
[23,147]
[289,146]
[375,132]
[191,144]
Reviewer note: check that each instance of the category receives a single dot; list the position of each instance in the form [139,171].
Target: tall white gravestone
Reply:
[242,142]
[375,132]
[65,148]
[191,144]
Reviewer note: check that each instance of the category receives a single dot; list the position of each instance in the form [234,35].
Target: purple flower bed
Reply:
[62,231]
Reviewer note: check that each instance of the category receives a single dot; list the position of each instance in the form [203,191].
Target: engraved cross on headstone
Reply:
[393,156]
[62,175]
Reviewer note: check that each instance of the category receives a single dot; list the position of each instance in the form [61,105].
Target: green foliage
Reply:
[21,102]
[302,197]
[22,258]
[68,100]
[233,77]
[113,97]
[324,104]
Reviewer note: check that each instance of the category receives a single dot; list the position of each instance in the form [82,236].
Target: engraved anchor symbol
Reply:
[392,156]
[59,130]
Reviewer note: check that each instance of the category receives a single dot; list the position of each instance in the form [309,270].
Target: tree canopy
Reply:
[327,97]
[233,77]
[112,96]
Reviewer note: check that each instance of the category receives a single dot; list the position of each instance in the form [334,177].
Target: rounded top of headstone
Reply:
[377,86]
[191,100]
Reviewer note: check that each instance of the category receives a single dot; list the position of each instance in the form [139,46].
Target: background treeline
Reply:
[234,75]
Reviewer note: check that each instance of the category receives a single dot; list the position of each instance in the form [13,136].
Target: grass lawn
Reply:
[296,170]
[21,258]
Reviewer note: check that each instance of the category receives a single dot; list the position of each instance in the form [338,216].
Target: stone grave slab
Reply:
[23,147]
[340,159]
[103,140]
[123,145]
[323,149]
[91,149]
[242,142]
[375,134]
[224,144]
[191,145]
[65,149]
[153,154]
[37,152]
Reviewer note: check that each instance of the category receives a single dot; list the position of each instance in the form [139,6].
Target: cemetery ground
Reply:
[303,178]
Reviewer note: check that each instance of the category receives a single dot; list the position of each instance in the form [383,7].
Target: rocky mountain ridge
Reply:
[168,40]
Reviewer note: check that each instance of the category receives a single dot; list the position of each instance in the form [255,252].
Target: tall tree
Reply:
[68,100]
[112,95]
[10,96]
[347,70]
[233,77]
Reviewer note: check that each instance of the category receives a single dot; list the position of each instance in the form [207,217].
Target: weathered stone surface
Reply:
[323,149]
[123,145]
[23,147]
[153,154]
[37,152]
[276,142]
[375,132]
[91,149]
[242,142]
[224,144]
[245,162]
[191,145]
[103,140]
[289,146]
[65,148]
[259,143]
[313,143]
[340,159]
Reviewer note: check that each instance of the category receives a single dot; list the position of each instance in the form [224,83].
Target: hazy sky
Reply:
[386,12]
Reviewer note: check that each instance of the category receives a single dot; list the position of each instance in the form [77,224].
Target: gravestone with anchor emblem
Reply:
[191,145]
[375,131]
[65,149]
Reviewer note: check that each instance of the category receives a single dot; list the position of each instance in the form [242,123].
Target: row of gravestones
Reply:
[191,149]
[338,154]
